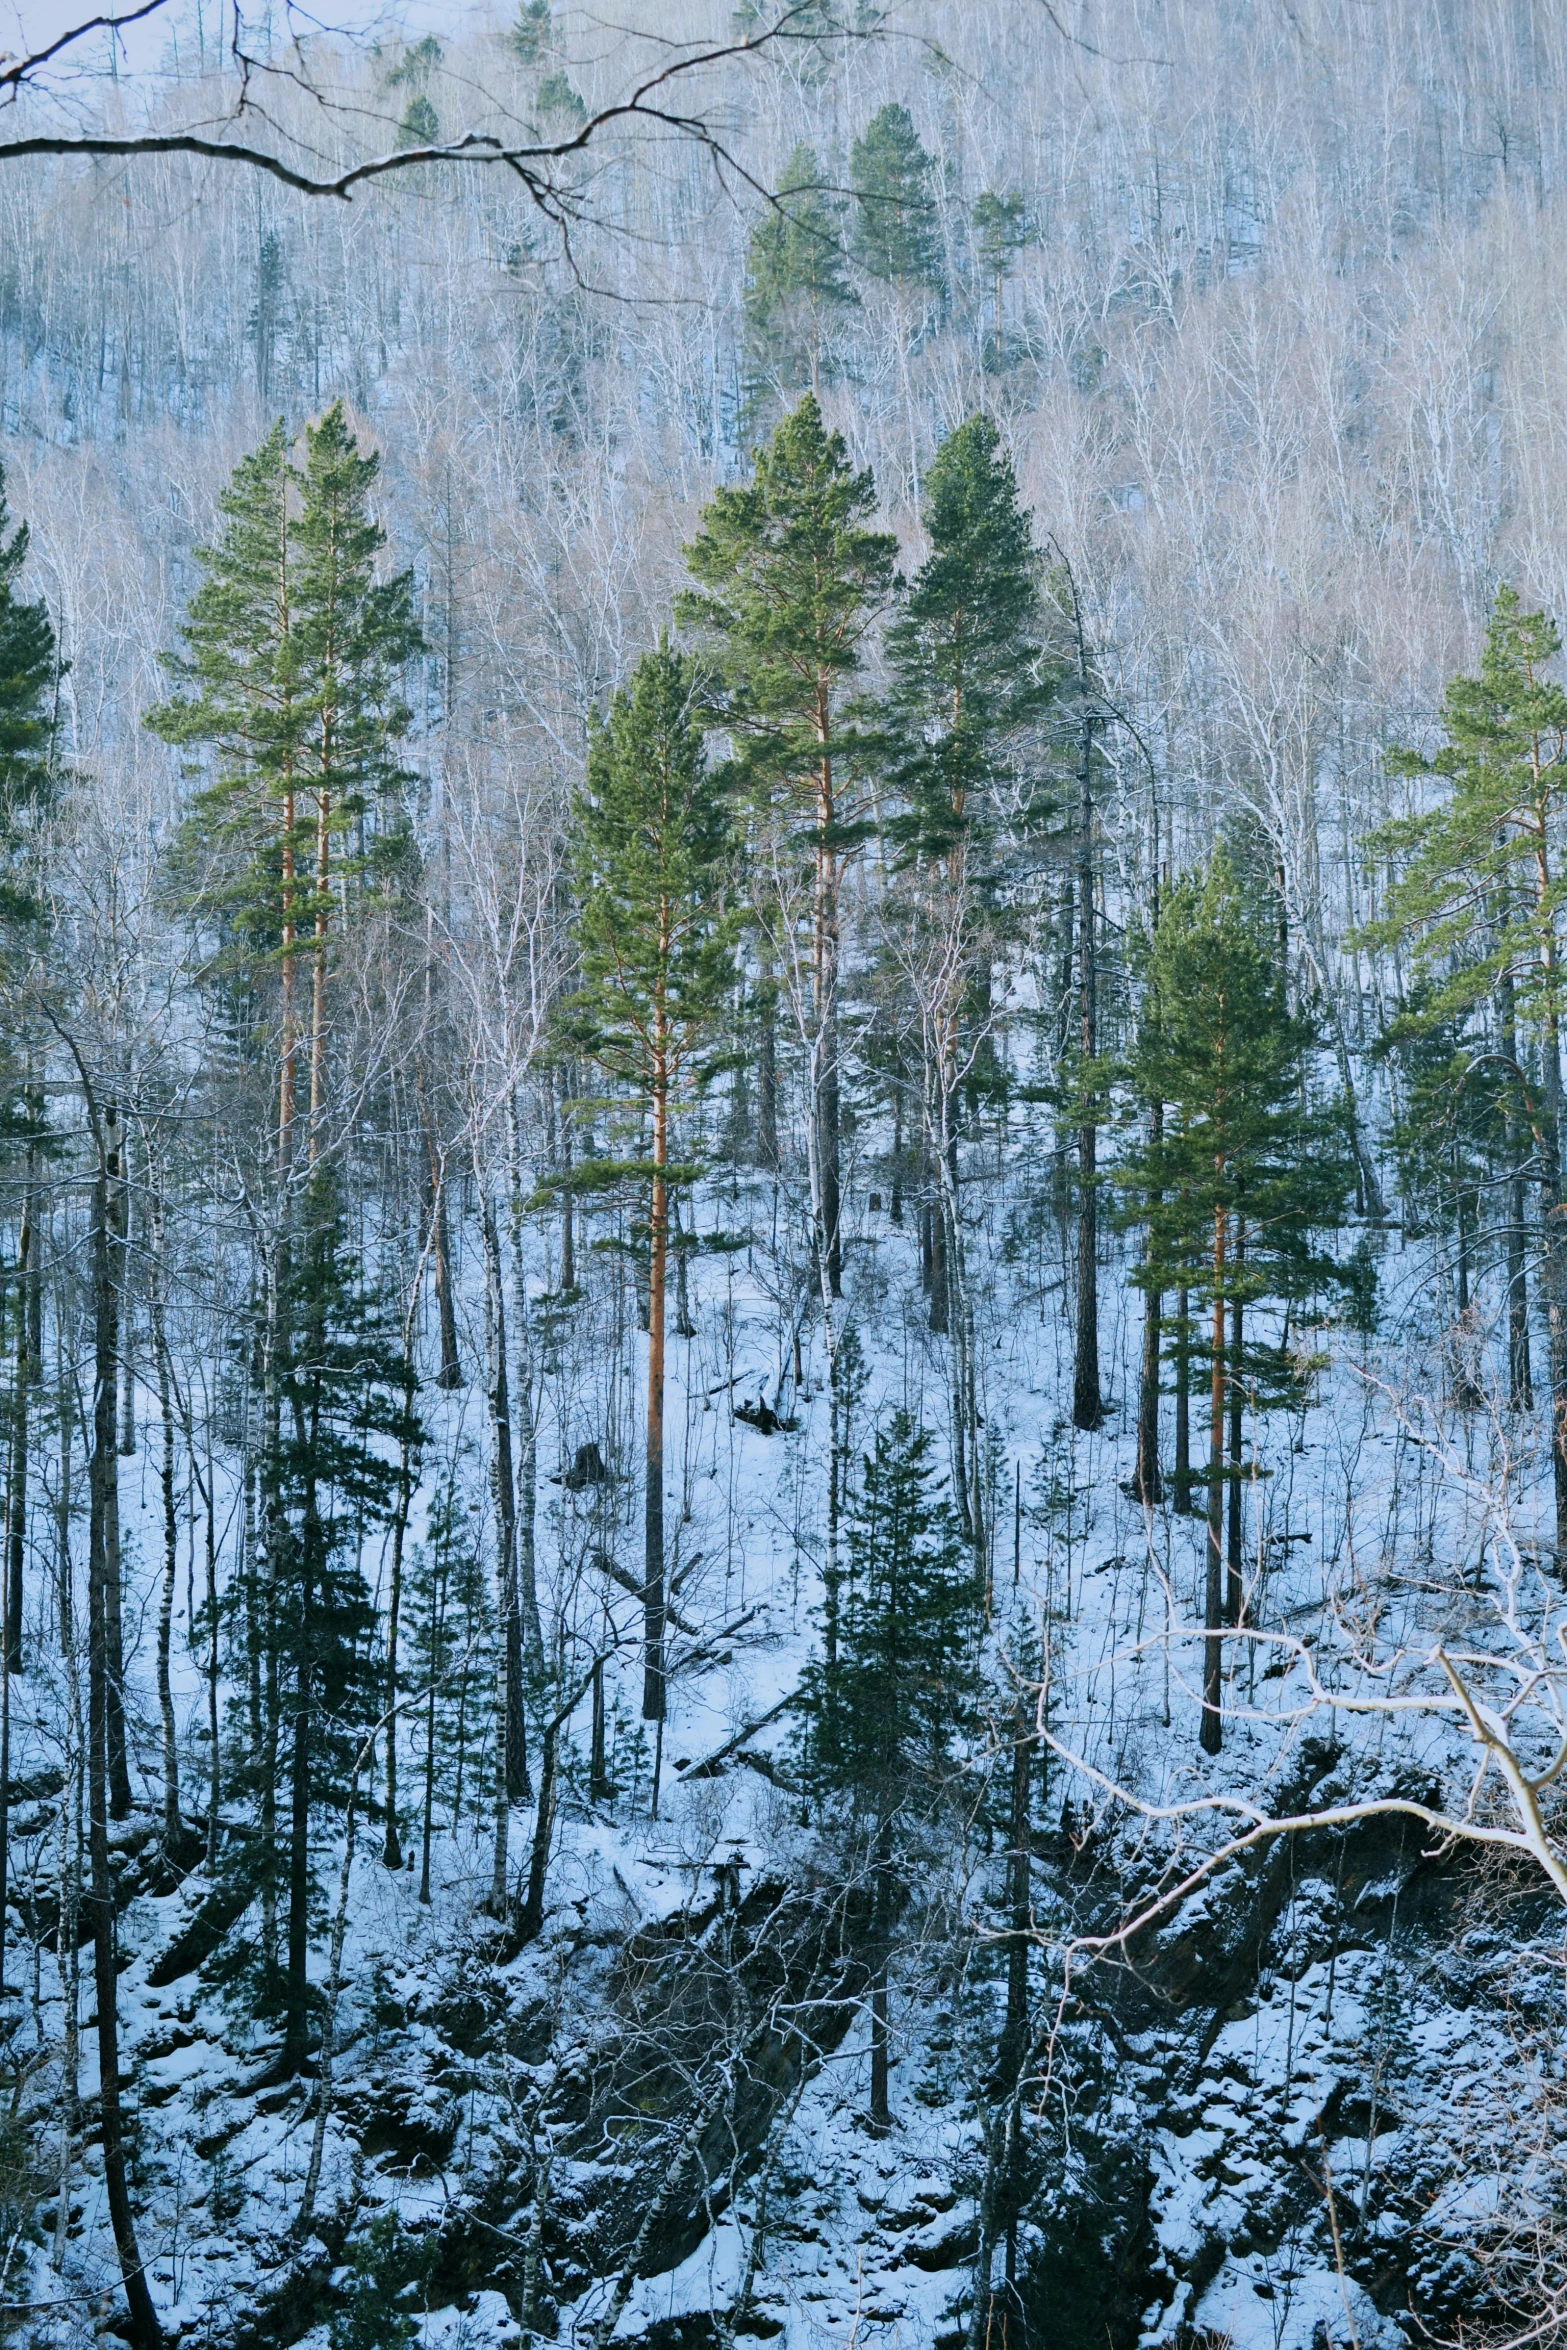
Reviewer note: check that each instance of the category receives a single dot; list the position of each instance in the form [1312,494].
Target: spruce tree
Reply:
[896,235]
[795,267]
[1235,1186]
[882,1710]
[1477,905]
[1001,230]
[789,581]
[656,960]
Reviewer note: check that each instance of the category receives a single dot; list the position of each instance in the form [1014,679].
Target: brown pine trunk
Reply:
[653,1691]
[1147,1483]
[1234,1595]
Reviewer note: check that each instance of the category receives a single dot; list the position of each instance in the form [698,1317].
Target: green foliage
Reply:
[1001,229]
[557,98]
[652,846]
[288,686]
[896,237]
[389,2265]
[529,37]
[788,583]
[420,126]
[451,1626]
[794,260]
[881,1716]
[969,674]
[1475,899]
[27,682]
[1243,1177]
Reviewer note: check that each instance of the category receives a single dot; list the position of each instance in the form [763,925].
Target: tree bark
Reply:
[653,1691]
[1087,1399]
[1213,1602]
[103,1479]
[114,1613]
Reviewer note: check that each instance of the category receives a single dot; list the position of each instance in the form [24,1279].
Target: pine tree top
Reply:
[896,236]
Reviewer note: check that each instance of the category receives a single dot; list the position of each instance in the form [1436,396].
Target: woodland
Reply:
[783,1235]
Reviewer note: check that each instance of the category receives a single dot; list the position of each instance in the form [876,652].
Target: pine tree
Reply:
[1235,1186]
[896,236]
[656,958]
[352,633]
[789,580]
[881,1713]
[242,843]
[346,1393]
[28,668]
[1001,230]
[1477,905]
[969,677]
[289,668]
[795,266]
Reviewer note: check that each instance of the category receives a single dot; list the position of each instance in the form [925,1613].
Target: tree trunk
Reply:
[103,1478]
[1146,1480]
[1213,1604]
[1520,1383]
[114,1614]
[1014,2030]
[1234,1595]
[881,1953]
[1087,1401]
[1183,1407]
[173,1825]
[391,1848]
[26,1376]
[767,1076]
[653,1693]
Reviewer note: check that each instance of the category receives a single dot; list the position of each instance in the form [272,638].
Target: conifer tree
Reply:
[1236,1184]
[969,677]
[28,663]
[896,237]
[656,957]
[795,266]
[789,580]
[346,1392]
[1477,903]
[1001,230]
[882,1712]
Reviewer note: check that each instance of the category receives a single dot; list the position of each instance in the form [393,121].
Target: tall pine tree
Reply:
[656,941]
[794,276]
[1235,1186]
[789,581]
[1477,904]
[969,677]
[896,233]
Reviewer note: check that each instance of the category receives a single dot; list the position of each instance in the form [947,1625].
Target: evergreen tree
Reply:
[28,667]
[882,1709]
[1235,1185]
[656,958]
[968,671]
[288,675]
[346,1392]
[1001,229]
[969,677]
[352,632]
[1477,904]
[794,266]
[789,580]
[896,237]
